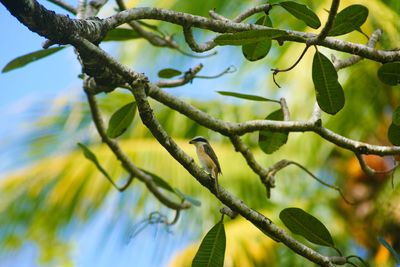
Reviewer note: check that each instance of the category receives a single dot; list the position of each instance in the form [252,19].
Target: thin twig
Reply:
[285,109]
[81,10]
[225,210]
[329,23]
[186,78]
[276,71]
[126,162]
[340,64]
[189,38]
[284,163]
[241,147]
[261,8]
[190,75]
[64,5]
[194,55]
[230,69]
[127,184]
[316,115]
[358,258]
[259,220]
[231,128]
[364,166]
[215,15]
[188,21]
[155,39]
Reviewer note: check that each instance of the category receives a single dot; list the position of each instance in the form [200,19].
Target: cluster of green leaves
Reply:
[251,55]
[268,141]
[160,182]
[212,248]
[257,43]
[118,124]
[118,34]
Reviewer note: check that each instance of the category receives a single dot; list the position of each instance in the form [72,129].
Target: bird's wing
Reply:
[208,149]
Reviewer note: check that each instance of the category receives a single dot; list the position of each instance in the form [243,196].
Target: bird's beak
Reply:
[191,142]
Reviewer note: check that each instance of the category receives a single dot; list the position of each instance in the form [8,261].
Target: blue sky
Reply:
[23,88]
[41,82]
[26,82]
[35,84]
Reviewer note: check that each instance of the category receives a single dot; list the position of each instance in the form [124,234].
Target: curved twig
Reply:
[230,128]
[190,75]
[329,23]
[188,21]
[126,162]
[259,220]
[189,38]
[261,8]
[230,69]
[241,147]
[64,5]
[340,64]
[284,163]
[276,71]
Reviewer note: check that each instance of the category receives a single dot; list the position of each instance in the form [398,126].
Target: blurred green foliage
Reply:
[61,189]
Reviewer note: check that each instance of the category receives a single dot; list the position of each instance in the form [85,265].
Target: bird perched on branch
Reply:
[207,158]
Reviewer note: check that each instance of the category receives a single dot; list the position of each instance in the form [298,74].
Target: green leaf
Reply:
[212,248]
[329,92]
[248,37]
[147,25]
[270,141]
[246,96]
[300,222]
[21,61]
[302,12]
[394,134]
[92,157]
[390,248]
[188,198]
[168,73]
[349,19]
[258,50]
[389,73]
[160,182]
[396,116]
[121,34]
[121,120]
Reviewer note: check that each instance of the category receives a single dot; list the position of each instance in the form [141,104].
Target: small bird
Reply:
[207,157]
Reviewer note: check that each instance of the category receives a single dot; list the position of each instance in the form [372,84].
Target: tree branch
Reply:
[329,23]
[189,38]
[126,162]
[340,64]
[257,9]
[284,163]
[230,128]
[85,34]
[55,27]
[241,147]
[224,26]
[235,204]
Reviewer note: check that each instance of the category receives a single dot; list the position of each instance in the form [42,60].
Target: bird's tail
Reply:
[215,176]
